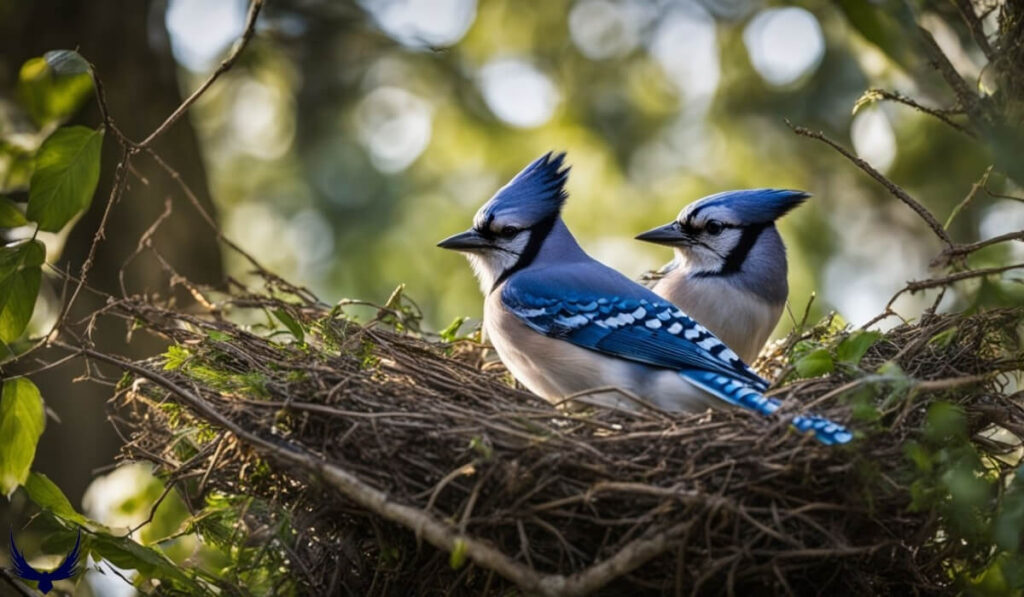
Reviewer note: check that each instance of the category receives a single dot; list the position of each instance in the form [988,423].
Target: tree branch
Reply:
[967,98]
[962,250]
[250,29]
[916,286]
[893,188]
[976,28]
[941,114]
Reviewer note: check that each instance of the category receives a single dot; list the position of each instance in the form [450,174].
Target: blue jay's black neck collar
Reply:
[538,234]
[733,263]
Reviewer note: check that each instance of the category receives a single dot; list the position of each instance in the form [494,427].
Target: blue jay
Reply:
[565,324]
[729,271]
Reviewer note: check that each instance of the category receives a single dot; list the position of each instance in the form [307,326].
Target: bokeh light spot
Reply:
[262,121]
[602,29]
[518,93]
[873,138]
[202,30]
[395,126]
[1002,218]
[784,44]
[686,47]
[423,23]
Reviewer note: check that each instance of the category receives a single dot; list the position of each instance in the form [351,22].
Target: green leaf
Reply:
[21,423]
[67,170]
[814,363]
[122,551]
[52,88]
[48,496]
[10,215]
[451,333]
[944,338]
[458,556]
[945,422]
[16,164]
[853,347]
[290,323]
[20,273]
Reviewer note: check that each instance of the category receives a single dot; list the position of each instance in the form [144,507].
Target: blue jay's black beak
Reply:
[470,240]
[663,235]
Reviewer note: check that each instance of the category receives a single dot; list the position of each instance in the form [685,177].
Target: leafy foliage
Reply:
[67,171]
[20,274]
[21,424]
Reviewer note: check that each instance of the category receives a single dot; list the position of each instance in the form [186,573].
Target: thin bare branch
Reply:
[941,114]
[250,29]
[893,188]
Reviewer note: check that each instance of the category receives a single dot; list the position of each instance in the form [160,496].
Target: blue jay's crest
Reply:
[45,580]
[536,193]
[752,205]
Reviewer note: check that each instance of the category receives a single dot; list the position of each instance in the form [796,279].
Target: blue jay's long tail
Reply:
[746,396]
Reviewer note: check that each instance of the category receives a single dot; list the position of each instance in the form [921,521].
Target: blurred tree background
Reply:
[352,136]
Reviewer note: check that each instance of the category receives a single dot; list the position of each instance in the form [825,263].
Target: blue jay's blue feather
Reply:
[536,193]
[756,205]
[637,325]
[825,431]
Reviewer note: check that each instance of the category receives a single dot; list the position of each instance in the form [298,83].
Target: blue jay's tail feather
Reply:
[825,431]
[744,395]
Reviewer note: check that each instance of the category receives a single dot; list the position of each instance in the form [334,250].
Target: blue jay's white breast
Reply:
[554,369]
[740,318]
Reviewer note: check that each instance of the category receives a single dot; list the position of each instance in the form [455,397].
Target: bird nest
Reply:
[396,460]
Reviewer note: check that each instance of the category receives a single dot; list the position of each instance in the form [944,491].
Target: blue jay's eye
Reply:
[509,231]
[714,227]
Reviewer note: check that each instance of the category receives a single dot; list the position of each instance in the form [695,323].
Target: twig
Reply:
[964,95]
[961,250]
[115,195]
[980,184]
[941,114]
[976,28]
[893,188]
[915,286]
[247,33]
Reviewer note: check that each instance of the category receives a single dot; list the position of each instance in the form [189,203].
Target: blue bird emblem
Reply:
[45,580]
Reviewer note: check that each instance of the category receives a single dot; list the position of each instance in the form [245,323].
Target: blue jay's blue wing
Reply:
[635,324]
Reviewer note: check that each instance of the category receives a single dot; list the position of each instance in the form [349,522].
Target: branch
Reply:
[967,98]
[247,34]
[976,28]
[899,98]
[961,250]
[893,188]
[919,285]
